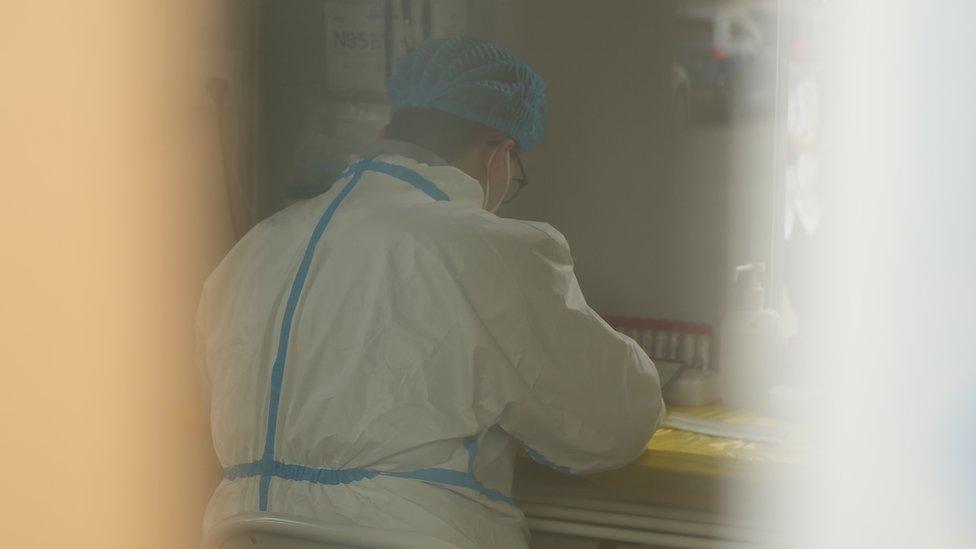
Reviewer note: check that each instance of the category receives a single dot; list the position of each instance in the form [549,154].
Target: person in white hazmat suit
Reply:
[377,354]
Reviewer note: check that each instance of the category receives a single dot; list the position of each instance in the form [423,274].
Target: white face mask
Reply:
[508,168]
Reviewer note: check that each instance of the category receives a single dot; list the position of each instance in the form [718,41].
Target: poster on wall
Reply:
[355,49]
[448,18]
[355,34]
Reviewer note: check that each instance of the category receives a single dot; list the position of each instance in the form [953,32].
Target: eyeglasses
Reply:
[519,179]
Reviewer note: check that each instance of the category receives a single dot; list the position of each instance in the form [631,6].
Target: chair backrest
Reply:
[270,531]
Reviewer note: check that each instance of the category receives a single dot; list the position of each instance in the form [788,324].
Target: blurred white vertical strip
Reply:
[893,454]
[112,212]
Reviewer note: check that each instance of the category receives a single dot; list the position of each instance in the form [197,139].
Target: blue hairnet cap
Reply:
[473,79]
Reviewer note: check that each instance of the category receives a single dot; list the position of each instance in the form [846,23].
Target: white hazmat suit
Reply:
[377,354]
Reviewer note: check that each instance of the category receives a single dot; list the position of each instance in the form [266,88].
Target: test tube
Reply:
[647,342]
[688,349]
[674,345]
[660,344]
[704,344]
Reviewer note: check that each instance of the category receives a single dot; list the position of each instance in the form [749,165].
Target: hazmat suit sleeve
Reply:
[581,397]
[200,358]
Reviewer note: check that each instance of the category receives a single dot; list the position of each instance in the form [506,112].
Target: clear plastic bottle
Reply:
[752,345]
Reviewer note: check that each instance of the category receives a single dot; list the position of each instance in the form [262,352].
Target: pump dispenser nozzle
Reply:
[753,295]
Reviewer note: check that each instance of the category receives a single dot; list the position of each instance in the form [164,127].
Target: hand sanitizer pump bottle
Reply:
[752,345]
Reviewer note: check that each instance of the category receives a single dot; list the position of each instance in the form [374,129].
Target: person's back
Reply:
[378,353]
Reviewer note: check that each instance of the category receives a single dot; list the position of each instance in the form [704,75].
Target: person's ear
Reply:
[502,145]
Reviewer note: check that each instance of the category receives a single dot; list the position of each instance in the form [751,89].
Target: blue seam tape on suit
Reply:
[267,467]
[406,174]
[277,369]
[333,477]
[543,460]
